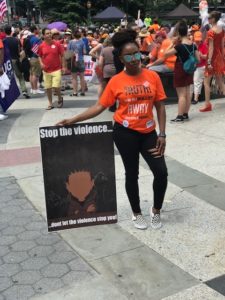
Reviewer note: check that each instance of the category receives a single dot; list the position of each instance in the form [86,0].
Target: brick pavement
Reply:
[32,261]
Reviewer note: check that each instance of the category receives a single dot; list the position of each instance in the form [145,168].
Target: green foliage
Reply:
[75,11]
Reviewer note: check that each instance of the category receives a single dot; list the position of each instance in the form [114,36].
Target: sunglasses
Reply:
[129,57]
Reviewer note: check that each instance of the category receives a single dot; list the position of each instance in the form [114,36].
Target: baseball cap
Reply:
[68,31]
[54,31]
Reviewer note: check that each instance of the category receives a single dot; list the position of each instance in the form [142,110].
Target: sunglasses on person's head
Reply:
[129,57]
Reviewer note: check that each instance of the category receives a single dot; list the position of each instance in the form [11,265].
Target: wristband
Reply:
[162,134]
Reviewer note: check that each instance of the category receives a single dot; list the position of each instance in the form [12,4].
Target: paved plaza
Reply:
[184,260]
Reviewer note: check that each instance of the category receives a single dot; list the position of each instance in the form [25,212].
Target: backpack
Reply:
[27,47]
[190,65]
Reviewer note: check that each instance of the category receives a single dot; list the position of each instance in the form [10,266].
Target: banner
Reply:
[13,92]
[79,175]
[89,67]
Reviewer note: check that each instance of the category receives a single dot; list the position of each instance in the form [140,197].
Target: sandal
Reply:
[49,107]
[60,103]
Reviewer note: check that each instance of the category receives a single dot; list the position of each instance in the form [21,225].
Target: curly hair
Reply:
[124,37]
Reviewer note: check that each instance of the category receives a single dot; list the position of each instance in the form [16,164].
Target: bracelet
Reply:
[162,134]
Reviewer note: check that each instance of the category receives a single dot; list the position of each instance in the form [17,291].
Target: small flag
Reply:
[3,8]
[34,49]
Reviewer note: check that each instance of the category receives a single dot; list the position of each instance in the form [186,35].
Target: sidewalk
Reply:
[184,260]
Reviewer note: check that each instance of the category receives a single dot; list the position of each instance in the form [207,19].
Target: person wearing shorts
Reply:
[51,57]
[35,68]
[77,46]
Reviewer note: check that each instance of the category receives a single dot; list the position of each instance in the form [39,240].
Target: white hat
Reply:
[26,33]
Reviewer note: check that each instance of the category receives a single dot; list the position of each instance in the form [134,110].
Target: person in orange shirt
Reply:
[155,26]
[137,91]
[146,40]
[162,64]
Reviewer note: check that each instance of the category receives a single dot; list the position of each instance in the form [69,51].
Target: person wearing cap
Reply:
[160,63]
[51,57]
[55,34]
[199,72]
[67,55]
[146,41]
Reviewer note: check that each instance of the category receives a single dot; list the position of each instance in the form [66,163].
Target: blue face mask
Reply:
[129,57]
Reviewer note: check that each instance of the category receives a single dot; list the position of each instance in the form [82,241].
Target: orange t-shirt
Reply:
[169,61]
[136,96]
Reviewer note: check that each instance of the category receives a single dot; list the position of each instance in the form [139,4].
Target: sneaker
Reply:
[26,95]
[177,120]
[31,91]
[40,92]
[155,220]
[3,117]
[82,94]
[139,222]
[194,102]
[34,92]
[186,117]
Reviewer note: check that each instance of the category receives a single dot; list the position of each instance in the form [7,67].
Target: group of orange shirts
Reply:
[158,52]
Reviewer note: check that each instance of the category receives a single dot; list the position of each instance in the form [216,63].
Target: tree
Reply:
[75,11]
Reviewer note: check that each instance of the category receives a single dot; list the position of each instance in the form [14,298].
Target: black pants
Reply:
[130,144]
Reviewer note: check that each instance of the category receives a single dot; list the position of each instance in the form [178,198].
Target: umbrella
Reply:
[57,25]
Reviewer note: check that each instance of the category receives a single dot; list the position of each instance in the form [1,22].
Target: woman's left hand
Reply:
[159,150]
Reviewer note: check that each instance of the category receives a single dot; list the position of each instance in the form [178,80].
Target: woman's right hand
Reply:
[64,122]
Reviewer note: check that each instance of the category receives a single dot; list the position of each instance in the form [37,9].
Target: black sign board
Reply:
[79,175]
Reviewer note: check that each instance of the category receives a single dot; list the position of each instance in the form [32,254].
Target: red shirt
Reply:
[50,55]
[2,35]
[136,96]
[203,49]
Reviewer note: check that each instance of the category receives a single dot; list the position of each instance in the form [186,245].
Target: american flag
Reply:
[3,8]
[35,48]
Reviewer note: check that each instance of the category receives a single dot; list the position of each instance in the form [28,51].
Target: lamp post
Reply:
[89,12]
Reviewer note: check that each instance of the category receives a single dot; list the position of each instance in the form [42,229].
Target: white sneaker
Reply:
[31,91]
[3,117]
[139,222]
[34,92]
[155,220]
[39,92]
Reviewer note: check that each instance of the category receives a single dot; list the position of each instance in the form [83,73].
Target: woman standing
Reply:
[106,64]
[77,46]
[182,80]
[137,91]
[215,60]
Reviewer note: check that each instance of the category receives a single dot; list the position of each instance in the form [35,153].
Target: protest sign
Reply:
[89,67]
[79,175]
[13,92]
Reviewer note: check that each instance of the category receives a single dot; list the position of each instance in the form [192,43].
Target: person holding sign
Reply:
[137,91]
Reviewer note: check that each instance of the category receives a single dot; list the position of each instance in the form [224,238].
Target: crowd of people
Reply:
[46,55]
[128,61]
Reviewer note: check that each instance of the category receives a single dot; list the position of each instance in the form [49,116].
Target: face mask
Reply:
[129,57]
